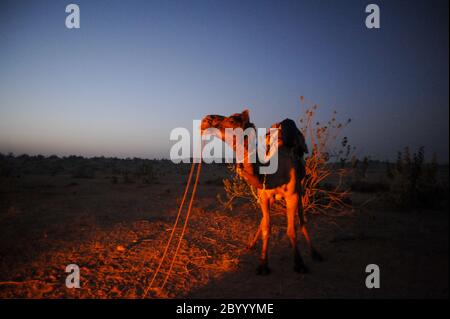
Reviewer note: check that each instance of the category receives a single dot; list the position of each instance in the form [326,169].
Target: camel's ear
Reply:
[245,116]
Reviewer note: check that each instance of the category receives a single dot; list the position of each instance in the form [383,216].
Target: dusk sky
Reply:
[137,69]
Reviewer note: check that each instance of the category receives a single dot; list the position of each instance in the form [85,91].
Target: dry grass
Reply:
[119,263]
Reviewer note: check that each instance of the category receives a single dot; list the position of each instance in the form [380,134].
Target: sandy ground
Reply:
[116,232]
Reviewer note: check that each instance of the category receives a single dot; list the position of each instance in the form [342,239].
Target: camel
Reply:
[284,184]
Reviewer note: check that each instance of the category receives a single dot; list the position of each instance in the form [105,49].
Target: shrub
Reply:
[414,182]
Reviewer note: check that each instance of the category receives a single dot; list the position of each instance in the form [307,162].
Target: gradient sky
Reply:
[137,69]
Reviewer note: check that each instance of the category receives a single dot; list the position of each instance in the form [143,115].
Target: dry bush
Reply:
[414,182]
[327,165]
[236,188]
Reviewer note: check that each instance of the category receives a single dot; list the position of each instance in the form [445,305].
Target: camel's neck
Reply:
[248,173]
[246,169]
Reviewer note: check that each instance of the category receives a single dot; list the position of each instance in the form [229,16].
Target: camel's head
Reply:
[238,120]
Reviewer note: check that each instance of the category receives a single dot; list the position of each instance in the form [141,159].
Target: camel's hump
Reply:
[291,135]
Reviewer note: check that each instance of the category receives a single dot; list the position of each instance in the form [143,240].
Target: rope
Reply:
[173,230]
[197,176]
[191,202]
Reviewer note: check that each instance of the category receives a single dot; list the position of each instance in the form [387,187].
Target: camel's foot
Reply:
[315,255]
[251,246]
[300,266]
[263,269]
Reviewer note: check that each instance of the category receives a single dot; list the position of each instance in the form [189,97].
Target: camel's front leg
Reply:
[252,243]
[263,268]
[292,203]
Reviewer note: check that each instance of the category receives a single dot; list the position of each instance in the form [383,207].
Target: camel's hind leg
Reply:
[315,255]
[252,243]
[292,203]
